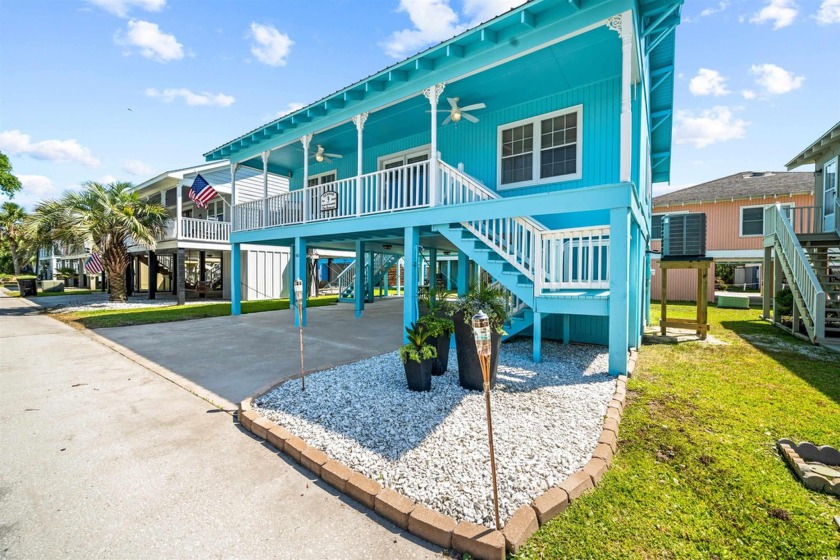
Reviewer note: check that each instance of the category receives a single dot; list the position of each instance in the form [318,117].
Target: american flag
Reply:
[201,192]
[93,264]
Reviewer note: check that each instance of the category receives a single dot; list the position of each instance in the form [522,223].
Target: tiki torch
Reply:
[299,303]
[481,331]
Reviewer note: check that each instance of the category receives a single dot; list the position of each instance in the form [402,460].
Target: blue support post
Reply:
[537,337]
[385,281]
[359,288]
[647,288]
[300,272]
[567,328]
[432,274]
[235,280]
[463,273]
[619,289]
[448,275]
[636,284]
[412,240]
[370,271]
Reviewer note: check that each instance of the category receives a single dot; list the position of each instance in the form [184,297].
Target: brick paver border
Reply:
[481,542]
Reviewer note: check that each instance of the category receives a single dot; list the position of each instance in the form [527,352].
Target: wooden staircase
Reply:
[823,252]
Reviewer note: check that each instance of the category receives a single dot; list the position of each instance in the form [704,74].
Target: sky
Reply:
[109,90]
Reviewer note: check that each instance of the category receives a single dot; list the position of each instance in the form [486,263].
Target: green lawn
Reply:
[124,317]
[697,474]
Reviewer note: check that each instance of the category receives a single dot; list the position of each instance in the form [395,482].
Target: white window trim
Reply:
[425,149]
[319,175]
[652,238]
[536,148]
[836,162]
[763,206]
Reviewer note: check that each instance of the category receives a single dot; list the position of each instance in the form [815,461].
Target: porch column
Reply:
[369,280]
[359,279]
[432,275]
[54,265]
[537,338]
[412,240]
[301,265]
[399,276]
[463,273]
[202,274]
[359,121]
[129,278]
[305,140]
[778,279]
[102,280]
[179,210]
[173,273]
[619,289]
[233,220]
[265,155]
[448,275]
[623,25]
[635,278]
[766,287]
[180,257]
[235,275]
[153,271]
[433,95]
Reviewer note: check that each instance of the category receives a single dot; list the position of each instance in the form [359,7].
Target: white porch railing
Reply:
[194,229]
[804,219]
[576,258]
[804,282]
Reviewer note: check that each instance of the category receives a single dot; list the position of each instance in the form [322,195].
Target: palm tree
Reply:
[106,219]
[12,217]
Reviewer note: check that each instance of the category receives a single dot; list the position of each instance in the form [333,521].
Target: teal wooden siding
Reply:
[475,145]
[582,328]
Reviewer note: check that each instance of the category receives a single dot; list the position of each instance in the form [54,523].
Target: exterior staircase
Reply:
[811,265]
[345,283]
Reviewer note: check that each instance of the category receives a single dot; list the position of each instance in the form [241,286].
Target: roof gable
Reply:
[745,184]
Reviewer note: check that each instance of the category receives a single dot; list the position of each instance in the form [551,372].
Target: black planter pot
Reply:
[418,375]
[441,343]
[469,368]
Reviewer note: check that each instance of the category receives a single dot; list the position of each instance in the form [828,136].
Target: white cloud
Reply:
[829,12]
[35,189]
[191,98]
[270,46]
[17,143]
[781,12]
[290,108]
[709,126]
[749,94]
[480,11]
[136,167]
[708,82]
[435,21]
[122,7]
[722,5]
[153,43]
[774,79]
[108,179]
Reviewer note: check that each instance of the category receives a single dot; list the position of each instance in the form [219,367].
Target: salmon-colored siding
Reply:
[723,222]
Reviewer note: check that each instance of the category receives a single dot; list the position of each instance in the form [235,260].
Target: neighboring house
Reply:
[734,208]
[526,146]
[807,251]
[199,237]
[54,259]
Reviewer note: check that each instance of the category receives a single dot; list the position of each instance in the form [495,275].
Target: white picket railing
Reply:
[204,230]
[793,257]
[576,258]
[804,219]
[400,188]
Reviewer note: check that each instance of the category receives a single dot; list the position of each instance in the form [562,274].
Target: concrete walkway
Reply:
[104,458]
[225,359]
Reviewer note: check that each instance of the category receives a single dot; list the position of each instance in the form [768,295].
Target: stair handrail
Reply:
[804,279]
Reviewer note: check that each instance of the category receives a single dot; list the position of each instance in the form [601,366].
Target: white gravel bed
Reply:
[130,304]
[432,447]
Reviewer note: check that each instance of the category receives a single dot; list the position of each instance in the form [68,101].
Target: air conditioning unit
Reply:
[684,236]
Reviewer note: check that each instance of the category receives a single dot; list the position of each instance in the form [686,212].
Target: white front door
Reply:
[829,195]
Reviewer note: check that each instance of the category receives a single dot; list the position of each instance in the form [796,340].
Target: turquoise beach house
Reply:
[526,146]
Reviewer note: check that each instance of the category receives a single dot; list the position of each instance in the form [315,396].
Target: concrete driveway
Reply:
[104,458]
[225,359]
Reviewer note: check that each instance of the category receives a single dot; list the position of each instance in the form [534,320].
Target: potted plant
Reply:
[440,329]
[418,357]
[491,300]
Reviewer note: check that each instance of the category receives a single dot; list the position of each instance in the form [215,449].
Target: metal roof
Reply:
[815,151]
[743,185]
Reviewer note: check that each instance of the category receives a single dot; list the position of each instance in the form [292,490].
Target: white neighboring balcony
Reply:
[196,229]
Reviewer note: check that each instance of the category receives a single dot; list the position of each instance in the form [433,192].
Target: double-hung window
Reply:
[752,219]
[542,149]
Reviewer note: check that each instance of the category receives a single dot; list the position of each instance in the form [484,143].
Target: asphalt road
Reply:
[101,457]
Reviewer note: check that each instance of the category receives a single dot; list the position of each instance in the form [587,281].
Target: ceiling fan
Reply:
[456,112]
[320,155]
